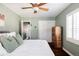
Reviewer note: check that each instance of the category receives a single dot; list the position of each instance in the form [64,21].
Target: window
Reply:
[69,26]
[72,27]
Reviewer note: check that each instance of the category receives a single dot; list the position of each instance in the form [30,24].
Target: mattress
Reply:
[33,48]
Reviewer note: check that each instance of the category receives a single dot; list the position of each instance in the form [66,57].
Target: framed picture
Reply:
[2,20]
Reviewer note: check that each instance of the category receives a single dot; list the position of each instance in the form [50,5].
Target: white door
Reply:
[45,30]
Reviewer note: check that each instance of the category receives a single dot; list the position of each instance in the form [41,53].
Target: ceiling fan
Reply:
[36,6]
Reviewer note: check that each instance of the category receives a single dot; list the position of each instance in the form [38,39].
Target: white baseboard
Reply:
[68,52]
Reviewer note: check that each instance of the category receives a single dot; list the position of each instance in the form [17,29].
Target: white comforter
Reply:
[33,48]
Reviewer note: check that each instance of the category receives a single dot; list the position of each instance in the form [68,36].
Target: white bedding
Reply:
[33,48]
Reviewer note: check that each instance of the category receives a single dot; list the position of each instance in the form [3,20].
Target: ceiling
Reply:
[54,9]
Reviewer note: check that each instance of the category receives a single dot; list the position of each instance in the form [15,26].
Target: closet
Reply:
[26,29]
[45,32]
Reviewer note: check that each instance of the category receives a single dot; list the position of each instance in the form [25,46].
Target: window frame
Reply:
[72,40]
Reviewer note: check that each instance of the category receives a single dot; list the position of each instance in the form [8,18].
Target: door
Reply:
[25,29]
[45,30]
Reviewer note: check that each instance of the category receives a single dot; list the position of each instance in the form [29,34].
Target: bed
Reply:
[33,48]
[12,44]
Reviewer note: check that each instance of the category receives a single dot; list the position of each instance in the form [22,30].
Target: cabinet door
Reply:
[56,37]
[58,44]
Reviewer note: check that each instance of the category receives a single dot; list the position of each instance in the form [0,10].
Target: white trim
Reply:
[73,41]
[68,52]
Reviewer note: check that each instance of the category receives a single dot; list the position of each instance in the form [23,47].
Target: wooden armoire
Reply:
[57,33]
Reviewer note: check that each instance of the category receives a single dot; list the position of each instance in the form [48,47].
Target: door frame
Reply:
[22,27]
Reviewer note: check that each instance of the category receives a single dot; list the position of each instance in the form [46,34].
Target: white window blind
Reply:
[76,26]
[72,27]
[69,26]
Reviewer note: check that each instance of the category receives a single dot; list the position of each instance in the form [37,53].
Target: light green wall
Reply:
[34,22]
[61,20]
[11,19]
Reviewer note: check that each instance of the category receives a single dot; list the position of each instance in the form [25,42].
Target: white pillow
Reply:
[11,34]
[8,34]
[3,52]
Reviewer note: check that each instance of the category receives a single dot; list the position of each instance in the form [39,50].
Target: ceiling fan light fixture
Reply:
[35,8]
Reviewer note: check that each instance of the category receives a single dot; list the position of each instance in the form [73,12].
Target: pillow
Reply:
[9,43]
[2,51]
[8,34]
[19,39]
[11,34]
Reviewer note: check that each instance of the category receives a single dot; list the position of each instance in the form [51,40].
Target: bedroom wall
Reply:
[61,20]
[34,22]
[11,19]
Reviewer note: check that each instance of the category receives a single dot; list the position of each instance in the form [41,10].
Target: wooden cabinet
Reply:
[57,37]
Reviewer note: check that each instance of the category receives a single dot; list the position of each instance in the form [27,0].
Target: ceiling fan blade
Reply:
[44,9]
[34,5]
[41,4]
[26,7]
